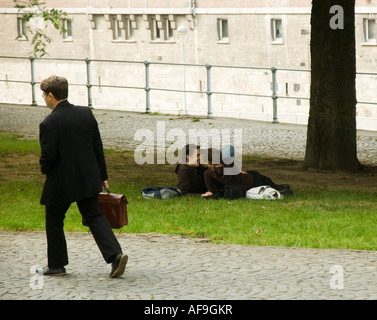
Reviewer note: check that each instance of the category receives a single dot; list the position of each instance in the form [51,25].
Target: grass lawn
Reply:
[327,210]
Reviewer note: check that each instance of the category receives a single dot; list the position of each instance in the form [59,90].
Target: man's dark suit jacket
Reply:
[71,155]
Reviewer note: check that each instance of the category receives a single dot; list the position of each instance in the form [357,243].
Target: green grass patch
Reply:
[315,216]
[10,143]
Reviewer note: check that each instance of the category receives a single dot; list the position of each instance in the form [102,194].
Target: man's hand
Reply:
[105,185]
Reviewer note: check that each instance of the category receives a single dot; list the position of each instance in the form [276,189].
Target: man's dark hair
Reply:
[56,85]
[187,150]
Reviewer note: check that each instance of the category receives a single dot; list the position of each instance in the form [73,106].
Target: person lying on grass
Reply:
[216,180]
[190,172]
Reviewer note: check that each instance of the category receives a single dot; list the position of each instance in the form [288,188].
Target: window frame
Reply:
[277,34]
[116,29]
[168,30]
[21,29]
[366,27]
[68,33]
[155,31]
[129,31]
[163,34]
[221,23]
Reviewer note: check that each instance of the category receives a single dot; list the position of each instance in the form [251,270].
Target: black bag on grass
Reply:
[234,191]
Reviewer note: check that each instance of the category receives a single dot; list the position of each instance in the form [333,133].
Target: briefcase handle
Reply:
[107,189]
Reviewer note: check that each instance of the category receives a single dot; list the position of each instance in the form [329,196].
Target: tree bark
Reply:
[331,136]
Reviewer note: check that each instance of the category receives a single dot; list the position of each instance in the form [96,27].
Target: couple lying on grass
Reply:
[209,179]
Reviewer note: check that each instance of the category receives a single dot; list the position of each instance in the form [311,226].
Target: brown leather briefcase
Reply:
[114,207]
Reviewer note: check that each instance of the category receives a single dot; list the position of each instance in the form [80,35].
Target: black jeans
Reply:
[261,180]
[100,228]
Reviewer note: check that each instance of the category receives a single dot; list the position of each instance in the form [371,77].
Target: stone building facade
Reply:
[224,33]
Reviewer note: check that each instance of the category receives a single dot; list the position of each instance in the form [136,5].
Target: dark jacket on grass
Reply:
[215,179]
[72,155]
[190,179]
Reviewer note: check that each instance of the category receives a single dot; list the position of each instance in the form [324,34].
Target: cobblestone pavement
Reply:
[175,267]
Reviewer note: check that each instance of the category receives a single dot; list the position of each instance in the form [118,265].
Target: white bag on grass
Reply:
[263,192]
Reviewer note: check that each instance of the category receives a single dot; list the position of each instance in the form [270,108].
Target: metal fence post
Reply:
[34,100]
[209,91]
[147,87]
[88,83]
[274,96]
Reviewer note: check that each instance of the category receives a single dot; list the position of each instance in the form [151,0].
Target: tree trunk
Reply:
[331,138]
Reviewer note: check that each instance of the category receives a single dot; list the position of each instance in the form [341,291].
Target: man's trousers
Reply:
[99,226]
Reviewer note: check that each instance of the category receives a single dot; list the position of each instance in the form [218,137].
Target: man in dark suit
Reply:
[73,161]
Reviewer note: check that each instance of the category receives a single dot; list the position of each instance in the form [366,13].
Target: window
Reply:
[277,30]
[222,30]
[155,31]
[21,29]
[168,31]
[161,28]
[129,30]
[370,30]
[67,26]
[122,27]
[117,31]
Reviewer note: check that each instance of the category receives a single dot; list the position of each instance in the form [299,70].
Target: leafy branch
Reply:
[34,9]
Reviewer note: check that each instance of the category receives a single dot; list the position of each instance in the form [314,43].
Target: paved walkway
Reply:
[175,267]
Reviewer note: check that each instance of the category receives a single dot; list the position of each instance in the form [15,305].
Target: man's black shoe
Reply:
[281,187]
[47,271]
[286,192]
[118,265]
